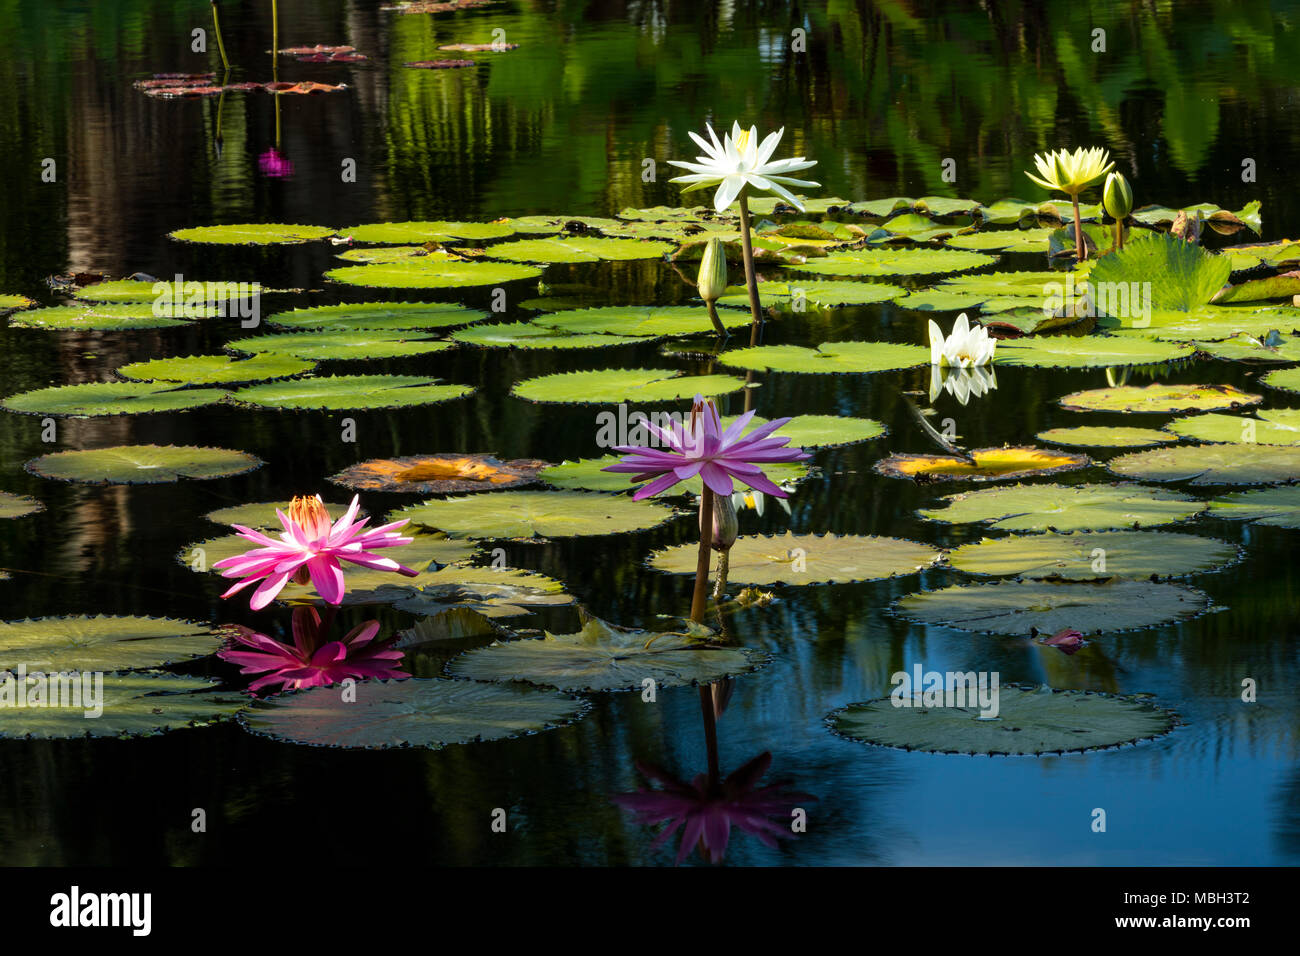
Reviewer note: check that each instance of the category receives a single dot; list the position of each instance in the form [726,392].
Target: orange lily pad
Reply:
[991,464]
[440,474]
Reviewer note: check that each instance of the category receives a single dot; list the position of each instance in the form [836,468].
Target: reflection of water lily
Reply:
[310,549]
[968,345]
[740,160]
[961,383]
[311,661]
[274,164]
[706,814]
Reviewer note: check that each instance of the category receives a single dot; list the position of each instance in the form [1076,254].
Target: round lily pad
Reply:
[10,302]
[604,657]
[645,321]
[1086,351]
[142,464]
[133,705]
[117,290]
[894,262]
[1279,507]
[439,474]
[403,233]
[530,335]
[94,318]
[822,431]
[1029,722]
[336,392]
[1004,240]
[1244,348]
[579,249]
[16,506]
[807,558]
[111,398]
[991,464]
[432,273]
[1212,464]
[1103,436]
[1287,379]
[411,713]
[1159,399]
[324,346]
[1274,426]
[616,385]
[215,369]
[829,357]
[490,592]
[813,293]
[535,514]
[589,474]
[377,316]
[1053,507]
[259,234]
[104,643]
[261,514]
[1022,608]
[1095,555]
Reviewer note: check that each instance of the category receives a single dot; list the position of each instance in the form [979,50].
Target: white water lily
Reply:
[967,346]
[740,160]
[755,500]
[962,384]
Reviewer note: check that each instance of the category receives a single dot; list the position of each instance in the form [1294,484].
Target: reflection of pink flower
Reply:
[275,164]
[1068,640]
[311,661]
[706,814]
[311,549]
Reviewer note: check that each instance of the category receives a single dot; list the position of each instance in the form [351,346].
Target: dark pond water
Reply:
[885,92]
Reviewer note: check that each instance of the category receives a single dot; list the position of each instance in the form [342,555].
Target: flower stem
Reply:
[710,734]
[700,599]
[1119,233]
[1080,245]
[720,586]
[750,279]
[216,26]
[717,322]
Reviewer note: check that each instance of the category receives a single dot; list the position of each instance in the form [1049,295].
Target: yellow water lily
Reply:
[1072,173]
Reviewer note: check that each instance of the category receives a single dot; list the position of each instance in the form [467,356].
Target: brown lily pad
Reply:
[440,474]
[1159,399]
[991,464]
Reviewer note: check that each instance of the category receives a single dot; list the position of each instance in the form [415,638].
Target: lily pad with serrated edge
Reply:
[605,657]
[589,474]
[831,357]
[1212,464]
[439,474]
[1278,507]
[535,514]
[1244,348]
[616,385]
[1086,351]
[262,233]
[1158,399]
[405,233]
[815,293]
[530,335]
[1208,323]
[215,369]
[1053,507]
[1105,436]
[377,316]
[10,302]
[111,398]
[820,431]
[808,558]
[894,262]
[102,643]
[134,705]
[94,318]
[261,514]
[1095,555]
[117,290]
[340,392]
[1287,379]
[1019,608]
[491,592]
[431,273]
[327,346]
[1029,722]
[550,225]
[647,321]
[16,506]
[430,714]
[389,253]
[142,464]
[1003,240]
[579,249]
[991,464]
[1274,426]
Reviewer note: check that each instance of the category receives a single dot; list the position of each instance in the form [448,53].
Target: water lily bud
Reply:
[725,525]
[712,281]
[1118,196]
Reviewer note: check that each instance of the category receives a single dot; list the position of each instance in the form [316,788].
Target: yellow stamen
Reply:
[742,141]
[308,512]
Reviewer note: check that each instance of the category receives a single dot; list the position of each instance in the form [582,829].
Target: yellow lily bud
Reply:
[712,281]
[1117,196]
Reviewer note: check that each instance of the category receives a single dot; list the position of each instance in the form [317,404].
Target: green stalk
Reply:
[216,28]
[717,322]
[750,279]
[699,601]
[1080,245]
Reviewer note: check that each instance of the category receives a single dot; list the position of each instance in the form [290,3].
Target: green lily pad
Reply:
[10,302]
[104,643]
[261,514]
[830,357]
[645,321]
[377,316]
[1287,379]
[117,290]
[940,300]
[1029,722]
[614,385]
[403,233]
[432,273]
[821,431]
[1278,507]
[1212,464]
[1158,399]
[142,464]
[110,398]
[16,506]
[1105,436]
[550,225]
[588,474]
[1209,213]
[1087,351]
[388,253]
[134,705]
[325,346]
[604,657]
[894,262]
[1021,608]
[411,713]
[215,369]
[338,392]
[1277,426]
[530,335]
[808,558]
[1004,240]
[1244,348]
[94,318]
[579,249]
[917,228]
[1179,276]
[1095,555]
[813,293]
[257,234]
[535,514]
[1282,286]
[1278,253]
[1053,507]
[1210,323]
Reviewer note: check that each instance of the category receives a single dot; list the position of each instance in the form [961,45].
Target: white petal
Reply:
[727,192]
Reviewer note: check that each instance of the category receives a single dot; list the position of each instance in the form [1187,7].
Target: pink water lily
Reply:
[702,447]
[311,661]
[310,549]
